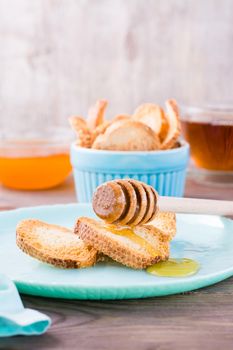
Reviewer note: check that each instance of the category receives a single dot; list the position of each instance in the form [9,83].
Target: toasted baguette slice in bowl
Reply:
[150,115]
[174,127]
[96,114]
[128,136]
[84,135]
[54,245]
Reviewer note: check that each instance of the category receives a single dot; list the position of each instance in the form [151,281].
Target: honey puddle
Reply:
[174,268]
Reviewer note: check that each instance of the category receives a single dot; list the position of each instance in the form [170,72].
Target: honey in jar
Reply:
[33,164]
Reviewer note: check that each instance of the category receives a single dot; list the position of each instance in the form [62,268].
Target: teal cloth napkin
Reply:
[14,318]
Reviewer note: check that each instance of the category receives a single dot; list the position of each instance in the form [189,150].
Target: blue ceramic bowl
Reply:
[164,170]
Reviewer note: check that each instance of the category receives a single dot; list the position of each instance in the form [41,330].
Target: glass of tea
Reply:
[34,160]
[209,132]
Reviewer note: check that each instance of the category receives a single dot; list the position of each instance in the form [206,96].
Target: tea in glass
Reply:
[209,132]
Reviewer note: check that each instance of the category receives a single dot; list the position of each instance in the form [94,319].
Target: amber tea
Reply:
[211,143]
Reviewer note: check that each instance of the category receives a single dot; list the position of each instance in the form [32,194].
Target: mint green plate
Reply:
[206,239]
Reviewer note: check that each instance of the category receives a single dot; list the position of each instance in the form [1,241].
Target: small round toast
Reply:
[100,129]
[164,128]
[115,124]
[165,222]
[53,244]
[96,114]
[151,115]
[174,128]
[128,136]
[82,131]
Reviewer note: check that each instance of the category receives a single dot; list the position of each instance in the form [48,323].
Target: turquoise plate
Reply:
[207,239]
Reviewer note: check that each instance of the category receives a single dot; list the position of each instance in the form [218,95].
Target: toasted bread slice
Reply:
[54,245]
[164,128]
[174,125]
[114,125]
[99,130]
[96,114]
[151,115]
[165,222]
[137,248]
[128,136]
[77,123]
[82,131]
[107,126]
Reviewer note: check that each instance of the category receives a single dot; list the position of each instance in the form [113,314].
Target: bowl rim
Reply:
[184,146]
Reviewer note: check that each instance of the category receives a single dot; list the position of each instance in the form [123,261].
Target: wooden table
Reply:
[196,320]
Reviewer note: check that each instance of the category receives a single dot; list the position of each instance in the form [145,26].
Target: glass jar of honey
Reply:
[34,160]
[209,132]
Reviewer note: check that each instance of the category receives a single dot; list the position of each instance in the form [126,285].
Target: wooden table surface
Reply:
[195,320]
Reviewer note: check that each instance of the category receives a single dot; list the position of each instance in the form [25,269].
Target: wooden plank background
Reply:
[58,56]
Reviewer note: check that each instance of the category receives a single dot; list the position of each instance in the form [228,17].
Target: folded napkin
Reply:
[14,319]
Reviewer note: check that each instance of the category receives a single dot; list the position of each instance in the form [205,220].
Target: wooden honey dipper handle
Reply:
[196,206]
[125,202]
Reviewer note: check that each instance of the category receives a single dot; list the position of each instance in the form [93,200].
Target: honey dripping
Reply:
[129,232]
[174,268]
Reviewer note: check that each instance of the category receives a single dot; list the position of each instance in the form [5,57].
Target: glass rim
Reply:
[210,108]
[207,113]
[42,137]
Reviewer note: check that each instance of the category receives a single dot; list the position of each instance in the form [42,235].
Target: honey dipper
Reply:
[132,202]
[125,202]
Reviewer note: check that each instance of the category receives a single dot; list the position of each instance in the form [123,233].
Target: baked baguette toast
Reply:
[165,223]
[54,245]
[96,114]
[174,127]
[150,115]
[137,248]
[82,131]
[127,136]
